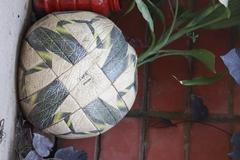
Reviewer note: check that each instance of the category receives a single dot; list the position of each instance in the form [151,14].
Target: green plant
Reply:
[217,15]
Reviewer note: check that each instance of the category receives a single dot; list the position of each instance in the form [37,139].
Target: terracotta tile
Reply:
[165,143]
[122,141]
[236,99]
[87,144]
[215,96]
[209,143]
[166,94]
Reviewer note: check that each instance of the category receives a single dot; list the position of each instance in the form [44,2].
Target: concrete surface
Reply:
[12,19]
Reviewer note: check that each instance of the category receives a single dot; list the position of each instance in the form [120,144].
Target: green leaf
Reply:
[232,18]
[203,55]
[142,7]
[130,8]
[165,38]
[157,11]
[201,80]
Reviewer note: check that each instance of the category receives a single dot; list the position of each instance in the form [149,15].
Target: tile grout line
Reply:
[213,117]
[145,104]
[187,127]
[97,151]
[231,85]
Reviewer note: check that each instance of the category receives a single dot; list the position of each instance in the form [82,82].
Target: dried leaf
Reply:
[199,110]
[69,153]
[235,141]
[32,155]
[42,144]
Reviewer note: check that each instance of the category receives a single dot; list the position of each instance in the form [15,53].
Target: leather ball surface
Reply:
[77,74]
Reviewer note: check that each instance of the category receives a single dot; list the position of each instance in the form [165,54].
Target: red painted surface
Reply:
[208,143]
[104,7]
[122,141]
[165,144]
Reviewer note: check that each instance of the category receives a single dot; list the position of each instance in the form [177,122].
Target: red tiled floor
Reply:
[215,96]
[165,143]
[122,141]
[87,144]
[236,99]
[208,143]
[166,94]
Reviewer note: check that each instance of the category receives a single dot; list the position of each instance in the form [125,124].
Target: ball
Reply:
[77,74]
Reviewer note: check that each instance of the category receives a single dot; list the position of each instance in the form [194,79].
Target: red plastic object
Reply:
[104,7]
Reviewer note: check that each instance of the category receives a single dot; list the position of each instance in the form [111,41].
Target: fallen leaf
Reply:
[235,141]
[69,153]
[199,110]
[232,61]
[42,144]
[32,155]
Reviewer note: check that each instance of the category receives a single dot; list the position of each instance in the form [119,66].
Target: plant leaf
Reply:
[232,16]
[69,153]
[203,55]
[42,144]
[201,80]
[142,7]
[232,61]
[130,8]
[166,35]
[199,110]
[157,11]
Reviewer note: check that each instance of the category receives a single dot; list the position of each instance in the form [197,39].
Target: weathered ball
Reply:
[77,74]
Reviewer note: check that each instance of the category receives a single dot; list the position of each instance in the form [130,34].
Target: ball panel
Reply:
[117,106]
[46,102]
[130,95]
[72,77]
[68,107]
[48,51]
[91,36]
[99,114]
[32,83]
[29,58]
[59,128]
[80,124]
[48,21]
[92,83]
[33,67]
[81,15]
